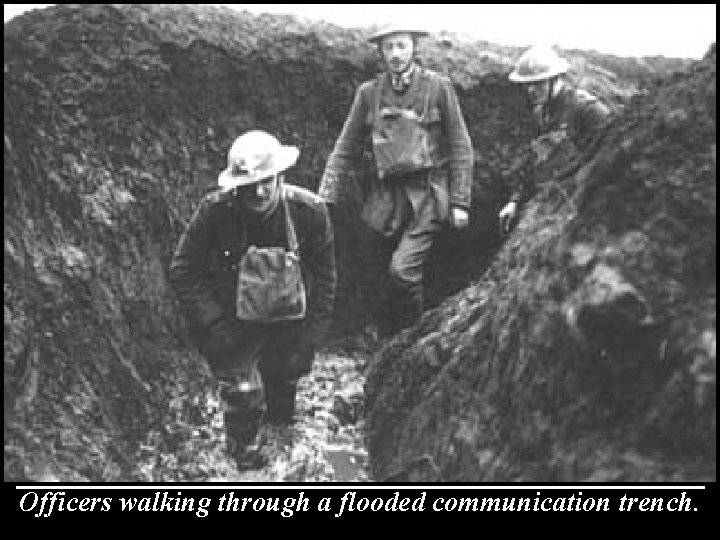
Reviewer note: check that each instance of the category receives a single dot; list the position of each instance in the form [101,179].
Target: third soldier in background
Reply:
[561,111]
[408,119]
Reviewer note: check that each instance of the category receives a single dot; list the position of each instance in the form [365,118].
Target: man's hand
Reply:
[459,217]
[507,216]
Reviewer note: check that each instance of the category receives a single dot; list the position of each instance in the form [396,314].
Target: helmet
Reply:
[538,64]
[395,29]
[254,156]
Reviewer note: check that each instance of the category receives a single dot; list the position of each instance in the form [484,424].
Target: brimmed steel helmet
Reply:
[538,64]
[395,29]
[254,156]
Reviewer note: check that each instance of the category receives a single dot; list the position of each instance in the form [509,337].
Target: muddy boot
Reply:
[250,458]
[406,304]
[242,446]
[244,414]
[281,403]
[386,319]
[410,310]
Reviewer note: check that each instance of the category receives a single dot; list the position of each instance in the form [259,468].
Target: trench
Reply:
[117,121]
[327,441]
[110,142]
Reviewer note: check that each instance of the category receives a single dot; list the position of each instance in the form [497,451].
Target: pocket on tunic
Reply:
[378,211]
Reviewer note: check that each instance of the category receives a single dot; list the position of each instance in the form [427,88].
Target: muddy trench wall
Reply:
[587,352]
[117,119]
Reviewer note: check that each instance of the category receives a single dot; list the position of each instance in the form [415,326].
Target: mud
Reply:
[587,351]
[117,119]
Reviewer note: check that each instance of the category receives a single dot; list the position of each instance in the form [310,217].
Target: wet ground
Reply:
[326,443]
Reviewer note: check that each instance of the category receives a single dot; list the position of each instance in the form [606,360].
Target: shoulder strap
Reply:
[378,96]
[428,87]
[289,228]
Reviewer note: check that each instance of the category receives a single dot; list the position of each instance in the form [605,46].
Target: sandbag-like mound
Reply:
[587,351]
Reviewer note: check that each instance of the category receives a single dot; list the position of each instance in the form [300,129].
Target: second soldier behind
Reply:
[408,119]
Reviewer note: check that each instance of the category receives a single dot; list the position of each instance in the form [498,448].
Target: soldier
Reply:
[409,121]
[255,271]
[561,111]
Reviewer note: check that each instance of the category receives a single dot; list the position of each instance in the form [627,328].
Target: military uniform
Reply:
[403,207]
[258,363]
[572,113]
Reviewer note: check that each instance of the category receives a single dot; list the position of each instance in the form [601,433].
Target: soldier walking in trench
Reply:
[408,118]
[561,111]
[255,272]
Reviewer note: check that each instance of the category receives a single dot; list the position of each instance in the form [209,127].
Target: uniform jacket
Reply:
[204,268]
[445,125]
[576,113]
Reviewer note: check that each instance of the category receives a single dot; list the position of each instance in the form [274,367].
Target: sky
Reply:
[673,30]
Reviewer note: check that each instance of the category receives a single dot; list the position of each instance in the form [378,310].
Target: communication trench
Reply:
[118,119]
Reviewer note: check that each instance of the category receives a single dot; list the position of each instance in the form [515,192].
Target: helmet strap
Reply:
[550,95]
[553,86]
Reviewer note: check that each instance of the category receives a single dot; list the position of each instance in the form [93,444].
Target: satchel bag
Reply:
[270,284]
[401,143]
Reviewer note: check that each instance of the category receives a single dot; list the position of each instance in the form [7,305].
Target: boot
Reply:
[244,414]
[241,442]
[407,305]
[409,313]
[386,319]
[281,402]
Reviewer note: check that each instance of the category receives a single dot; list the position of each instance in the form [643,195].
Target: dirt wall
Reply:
[587,352]
[117,119]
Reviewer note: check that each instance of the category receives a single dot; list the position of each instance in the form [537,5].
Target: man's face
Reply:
[397,51]
[261,196]
[539,92]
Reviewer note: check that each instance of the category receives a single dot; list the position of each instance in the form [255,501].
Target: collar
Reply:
[401,82]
